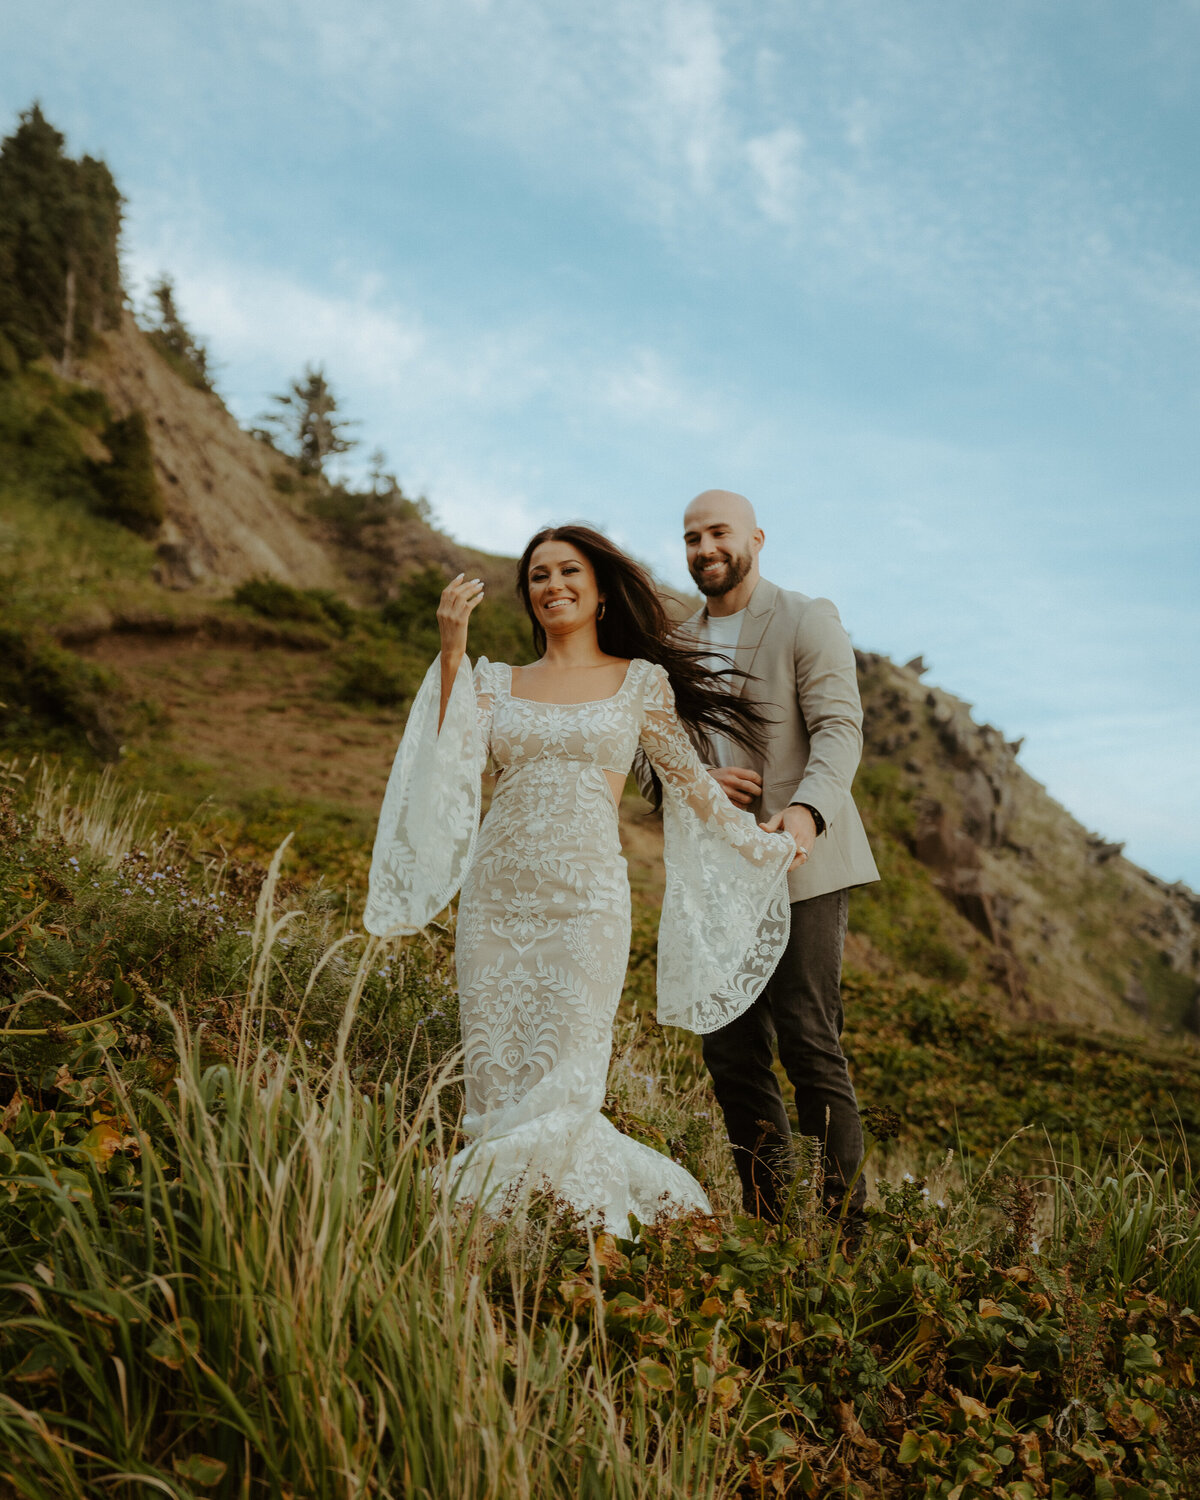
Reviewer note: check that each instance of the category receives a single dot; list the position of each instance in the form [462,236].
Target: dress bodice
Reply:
[725,913]
[602,733]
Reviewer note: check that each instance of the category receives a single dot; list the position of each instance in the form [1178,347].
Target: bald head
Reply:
[726,504]
[723,540]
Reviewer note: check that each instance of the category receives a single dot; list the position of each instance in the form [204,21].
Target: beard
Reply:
[734,569]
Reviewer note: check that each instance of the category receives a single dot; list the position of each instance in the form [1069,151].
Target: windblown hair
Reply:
[635,624]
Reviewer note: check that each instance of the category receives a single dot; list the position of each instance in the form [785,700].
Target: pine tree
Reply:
[307,419]
[182,349]
[60,278]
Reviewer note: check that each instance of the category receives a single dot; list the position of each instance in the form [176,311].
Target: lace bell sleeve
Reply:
[430,814]
[725,914]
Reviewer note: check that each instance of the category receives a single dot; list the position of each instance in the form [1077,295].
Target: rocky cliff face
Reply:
[226,519]
[1079,933]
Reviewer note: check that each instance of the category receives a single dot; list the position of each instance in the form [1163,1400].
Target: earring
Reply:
[600,612]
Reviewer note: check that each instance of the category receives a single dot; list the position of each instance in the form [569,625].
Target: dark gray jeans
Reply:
[801,1005]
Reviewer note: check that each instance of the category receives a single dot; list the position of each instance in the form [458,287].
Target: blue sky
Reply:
[922,279]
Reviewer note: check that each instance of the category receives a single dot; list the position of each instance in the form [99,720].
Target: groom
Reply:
[803,673]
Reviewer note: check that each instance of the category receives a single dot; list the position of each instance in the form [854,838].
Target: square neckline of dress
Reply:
[586,703]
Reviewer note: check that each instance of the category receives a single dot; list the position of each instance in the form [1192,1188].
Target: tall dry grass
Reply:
[96,811]
[290,1305]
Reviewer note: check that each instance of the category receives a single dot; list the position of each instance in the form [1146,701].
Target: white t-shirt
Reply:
[721,632]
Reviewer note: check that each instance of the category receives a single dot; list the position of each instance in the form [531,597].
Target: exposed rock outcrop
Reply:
[1080,933]
[226,521]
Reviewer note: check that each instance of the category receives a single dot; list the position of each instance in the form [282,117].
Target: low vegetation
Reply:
[228,1268]
[126,482]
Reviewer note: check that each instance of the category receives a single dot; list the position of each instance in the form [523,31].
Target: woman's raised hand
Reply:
[459,598]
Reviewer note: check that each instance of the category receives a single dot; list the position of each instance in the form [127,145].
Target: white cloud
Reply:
[683,110]
[775,161]
[645,389]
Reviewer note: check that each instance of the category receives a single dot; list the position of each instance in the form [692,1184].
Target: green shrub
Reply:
[10,360]
[275,600]
[349,513]
[127,485]
[344,616]
[287,483]
[84,404]
[369,675]
[40,442]
[412,614]
[279,601]
[27,346]
[499,627]
[50,696]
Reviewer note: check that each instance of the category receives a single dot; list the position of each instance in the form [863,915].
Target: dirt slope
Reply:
[226,521]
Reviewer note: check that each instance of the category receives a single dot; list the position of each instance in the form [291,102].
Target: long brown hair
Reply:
[634,623]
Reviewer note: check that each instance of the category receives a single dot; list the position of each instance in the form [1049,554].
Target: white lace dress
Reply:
[543,924]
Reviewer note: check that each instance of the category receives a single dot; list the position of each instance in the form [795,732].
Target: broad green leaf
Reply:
[772,1443]
[44,1363]
[657,1376]
[1140,1355]
[910,1448]
[101,1141]
[176,1345]
[200,1470]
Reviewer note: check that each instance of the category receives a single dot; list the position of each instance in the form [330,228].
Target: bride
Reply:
[543,923]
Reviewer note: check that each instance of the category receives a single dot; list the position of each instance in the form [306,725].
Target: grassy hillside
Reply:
[283,704]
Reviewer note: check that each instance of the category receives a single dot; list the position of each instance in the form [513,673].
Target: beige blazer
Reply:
[803,673]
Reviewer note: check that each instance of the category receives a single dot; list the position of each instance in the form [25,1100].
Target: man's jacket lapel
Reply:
[754,627]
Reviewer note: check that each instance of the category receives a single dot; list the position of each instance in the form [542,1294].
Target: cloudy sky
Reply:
[922,279]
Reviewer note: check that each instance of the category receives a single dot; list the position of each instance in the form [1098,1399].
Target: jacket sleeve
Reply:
[827,689]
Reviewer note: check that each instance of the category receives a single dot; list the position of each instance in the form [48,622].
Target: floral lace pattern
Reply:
[543,928]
